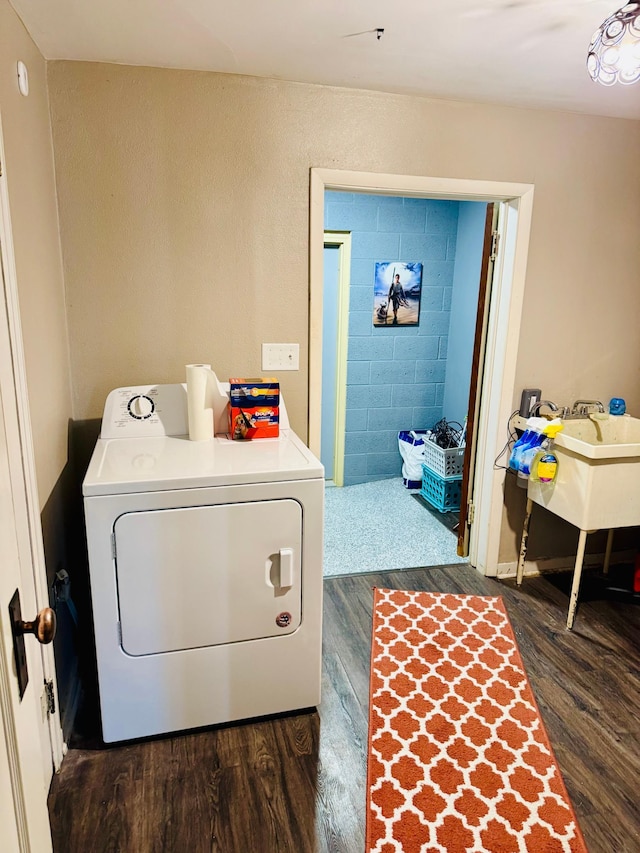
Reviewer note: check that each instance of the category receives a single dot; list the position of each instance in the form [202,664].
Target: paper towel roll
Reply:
[201,381]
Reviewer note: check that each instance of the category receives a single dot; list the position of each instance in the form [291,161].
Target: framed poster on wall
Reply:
[396,293]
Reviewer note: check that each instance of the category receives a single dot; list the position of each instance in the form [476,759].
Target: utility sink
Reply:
[596,438]
[598,480]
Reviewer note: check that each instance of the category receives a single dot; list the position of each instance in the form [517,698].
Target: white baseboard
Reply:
[559,564]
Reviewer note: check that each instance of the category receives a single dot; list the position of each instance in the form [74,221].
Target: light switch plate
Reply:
[280,356]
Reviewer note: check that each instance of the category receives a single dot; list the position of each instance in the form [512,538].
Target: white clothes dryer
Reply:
[205,564]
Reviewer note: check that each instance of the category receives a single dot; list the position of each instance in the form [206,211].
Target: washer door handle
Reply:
[286,567]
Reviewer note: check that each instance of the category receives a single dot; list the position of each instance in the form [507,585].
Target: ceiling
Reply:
[529,53]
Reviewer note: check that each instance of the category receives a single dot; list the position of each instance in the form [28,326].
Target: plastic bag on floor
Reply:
[411,446]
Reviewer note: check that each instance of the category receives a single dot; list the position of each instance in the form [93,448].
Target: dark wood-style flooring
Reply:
[296,784]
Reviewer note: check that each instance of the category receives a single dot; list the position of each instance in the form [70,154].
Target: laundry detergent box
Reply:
[254,408]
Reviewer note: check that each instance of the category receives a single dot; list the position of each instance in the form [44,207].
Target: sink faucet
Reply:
[535,409]
[580,408]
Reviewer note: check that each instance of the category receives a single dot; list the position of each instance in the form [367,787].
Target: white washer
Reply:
[205,562]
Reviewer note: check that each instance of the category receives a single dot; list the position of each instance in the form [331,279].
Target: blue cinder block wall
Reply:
[395,375]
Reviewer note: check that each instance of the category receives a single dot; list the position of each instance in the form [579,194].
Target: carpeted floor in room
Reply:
[381,525]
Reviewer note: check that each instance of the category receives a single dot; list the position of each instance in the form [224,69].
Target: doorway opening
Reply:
[392,365]
[497,330]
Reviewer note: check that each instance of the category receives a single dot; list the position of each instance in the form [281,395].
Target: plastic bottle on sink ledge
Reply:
[617,406]
[530,453]
[544,467]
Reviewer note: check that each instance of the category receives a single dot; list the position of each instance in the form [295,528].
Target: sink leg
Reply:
[607,553]
[524,542]
[577,574]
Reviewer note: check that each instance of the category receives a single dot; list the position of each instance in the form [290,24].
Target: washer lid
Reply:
[124,466]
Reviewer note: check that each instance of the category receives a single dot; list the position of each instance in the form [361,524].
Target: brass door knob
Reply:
[43,626]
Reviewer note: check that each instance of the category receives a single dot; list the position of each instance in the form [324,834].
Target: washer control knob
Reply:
[140,407]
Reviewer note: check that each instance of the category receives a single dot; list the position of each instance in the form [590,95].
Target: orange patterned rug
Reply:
[459,759]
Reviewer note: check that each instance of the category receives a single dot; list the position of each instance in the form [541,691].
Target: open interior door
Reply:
[25,783]
[27,696]
[489,251]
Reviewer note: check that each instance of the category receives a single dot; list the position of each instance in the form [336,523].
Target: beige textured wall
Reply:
[184,202]
[34,219]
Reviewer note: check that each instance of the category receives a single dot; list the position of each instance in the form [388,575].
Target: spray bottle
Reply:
[531,434]
[528,453]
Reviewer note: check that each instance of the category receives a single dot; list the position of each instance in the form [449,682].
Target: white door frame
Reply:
[341,240]
[503,331]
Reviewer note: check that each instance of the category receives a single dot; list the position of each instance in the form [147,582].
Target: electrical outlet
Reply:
[280,356]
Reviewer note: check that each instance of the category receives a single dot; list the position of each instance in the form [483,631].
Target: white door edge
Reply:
[502,334]
[20,840]
[26,464]
[497,392]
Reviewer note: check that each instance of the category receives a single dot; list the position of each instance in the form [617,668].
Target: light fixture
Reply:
[614,52]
